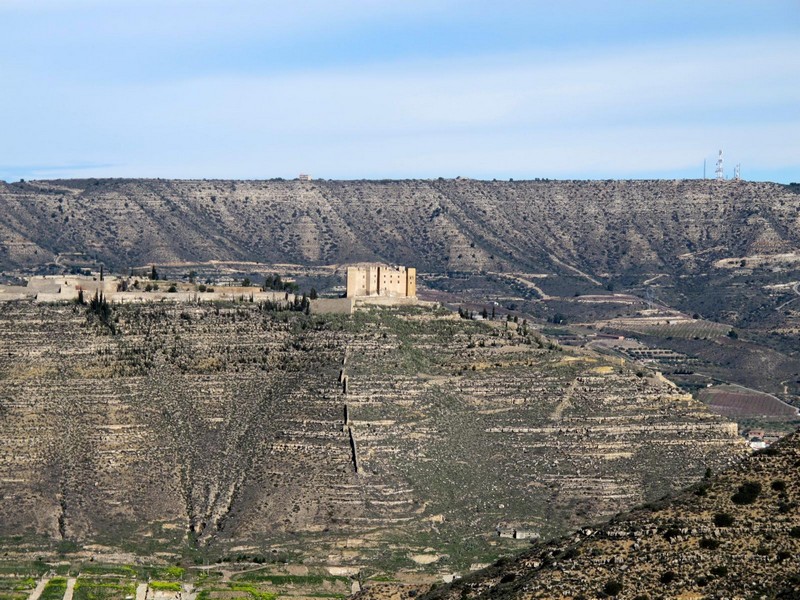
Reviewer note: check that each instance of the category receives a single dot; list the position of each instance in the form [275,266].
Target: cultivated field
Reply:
[667,327]
[735,402]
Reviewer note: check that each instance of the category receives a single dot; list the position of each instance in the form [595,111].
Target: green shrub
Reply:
[779,485]
[795,531]
[723,520]
[165,586]
[54,590]
[254,593]
[747,493]
[768,451]
[709,544]
[719,571]
[612,588]
[24,584]
[702,489]
[668,577]
[172,572]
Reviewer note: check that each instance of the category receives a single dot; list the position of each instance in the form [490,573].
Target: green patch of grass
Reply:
[165,573]
[55,588]
[94,589]
[35,569]
[255,593]
[290,579]
[25,584]
[165,586]
[17,585]
[204,576]
[101,569]
[67,547]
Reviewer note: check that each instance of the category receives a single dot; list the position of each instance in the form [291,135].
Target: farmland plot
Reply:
[735,402]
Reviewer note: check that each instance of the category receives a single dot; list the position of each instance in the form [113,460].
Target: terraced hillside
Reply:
[736,535]
[394,440]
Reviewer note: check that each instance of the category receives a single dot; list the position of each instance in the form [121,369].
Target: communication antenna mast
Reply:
[737,172]
[704,168]
[720,169]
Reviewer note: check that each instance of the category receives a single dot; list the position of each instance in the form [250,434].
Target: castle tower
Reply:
[381,280]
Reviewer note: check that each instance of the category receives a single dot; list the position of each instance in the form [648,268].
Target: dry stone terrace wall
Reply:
[511,436]
[236,427]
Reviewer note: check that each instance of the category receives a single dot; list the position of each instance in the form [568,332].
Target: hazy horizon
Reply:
[390,179]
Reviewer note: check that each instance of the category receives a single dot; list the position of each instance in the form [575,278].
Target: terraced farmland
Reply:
[384,442]
[102,581]
[671,327]
[736,402]
[16,588]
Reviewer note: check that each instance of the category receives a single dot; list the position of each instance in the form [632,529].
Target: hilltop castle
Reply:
[381,280]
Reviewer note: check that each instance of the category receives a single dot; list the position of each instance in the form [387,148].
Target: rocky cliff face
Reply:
[603,229]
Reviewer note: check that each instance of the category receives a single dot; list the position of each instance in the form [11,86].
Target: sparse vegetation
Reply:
[723,520]
[165,586]
[747,493]
[779,485]
[709,544]
[612,588]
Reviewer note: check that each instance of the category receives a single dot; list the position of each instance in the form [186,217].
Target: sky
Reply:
[352,89]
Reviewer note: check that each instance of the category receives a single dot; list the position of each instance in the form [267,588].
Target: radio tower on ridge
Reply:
[720,170]
[737,172]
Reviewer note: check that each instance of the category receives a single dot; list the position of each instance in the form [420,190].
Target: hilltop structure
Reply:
[381,280]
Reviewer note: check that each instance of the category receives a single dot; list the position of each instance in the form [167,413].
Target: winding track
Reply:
[796,290]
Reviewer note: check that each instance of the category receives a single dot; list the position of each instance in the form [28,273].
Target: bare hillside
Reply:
[595,229]
[736,535]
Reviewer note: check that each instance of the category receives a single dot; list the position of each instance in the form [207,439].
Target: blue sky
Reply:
[366,89]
